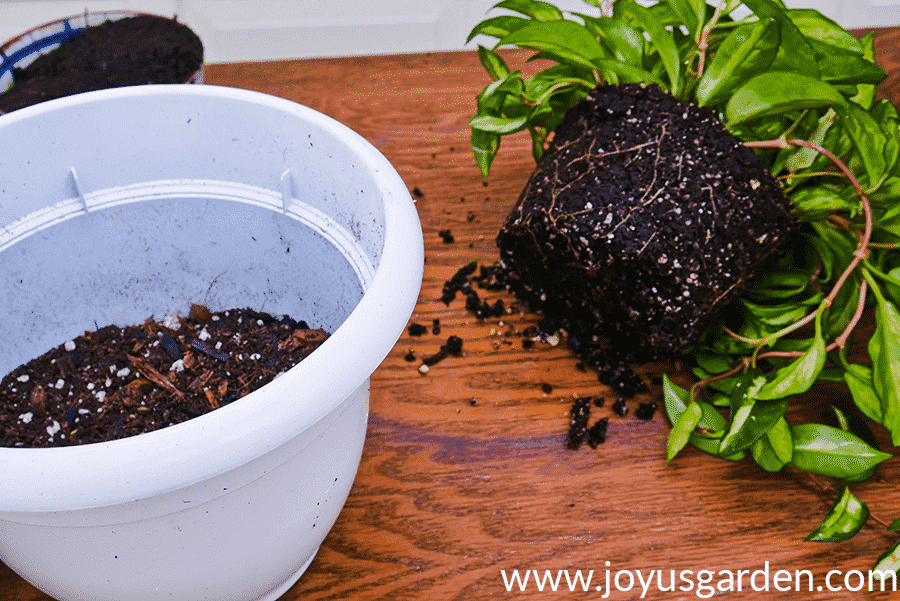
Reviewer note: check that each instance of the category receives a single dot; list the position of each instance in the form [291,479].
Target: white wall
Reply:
[240,30]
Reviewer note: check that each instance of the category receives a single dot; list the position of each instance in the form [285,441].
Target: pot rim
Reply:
[154,463]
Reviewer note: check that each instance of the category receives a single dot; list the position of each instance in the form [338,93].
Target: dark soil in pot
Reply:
[644,219]
[144,49]
[116,381]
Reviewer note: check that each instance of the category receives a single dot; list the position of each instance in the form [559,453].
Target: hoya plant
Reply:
[716,182]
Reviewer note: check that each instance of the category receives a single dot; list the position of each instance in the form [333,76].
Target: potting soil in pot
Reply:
[144,49]
[116,381]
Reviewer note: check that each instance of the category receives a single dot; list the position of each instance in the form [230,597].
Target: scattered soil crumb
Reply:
[417,329]
[596,435]
[578,423]
[645,411]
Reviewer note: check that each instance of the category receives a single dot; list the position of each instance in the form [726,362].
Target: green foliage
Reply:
[801,90]
[845,518]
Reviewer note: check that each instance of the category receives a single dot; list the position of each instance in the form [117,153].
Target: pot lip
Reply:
[101,474]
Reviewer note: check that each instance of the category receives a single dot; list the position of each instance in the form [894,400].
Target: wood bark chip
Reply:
[154,376]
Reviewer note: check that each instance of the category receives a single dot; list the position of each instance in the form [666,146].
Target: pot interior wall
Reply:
[155,257]
[137,202]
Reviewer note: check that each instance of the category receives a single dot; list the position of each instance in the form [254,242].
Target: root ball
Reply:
[643,220]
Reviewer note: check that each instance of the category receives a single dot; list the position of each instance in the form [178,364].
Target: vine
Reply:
[800,91]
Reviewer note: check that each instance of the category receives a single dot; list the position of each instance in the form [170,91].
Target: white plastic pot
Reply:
[120,204]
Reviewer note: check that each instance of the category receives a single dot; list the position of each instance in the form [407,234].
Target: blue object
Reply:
[9,61]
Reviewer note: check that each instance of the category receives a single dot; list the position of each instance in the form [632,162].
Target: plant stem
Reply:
[810,174]
[606,8]
[841,341]
[703,37]
[860,254]
[829,490]
[745,362]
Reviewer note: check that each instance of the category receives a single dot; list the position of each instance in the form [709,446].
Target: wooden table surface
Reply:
[464,473]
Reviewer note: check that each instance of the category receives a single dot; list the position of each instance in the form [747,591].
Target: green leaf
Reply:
[537,144]
[884,349]
[821,449]
[780,283]
[865,93]
[817,26]
[491,99]
[818,202]
[681,431]
[779,437]
[850,422]
[752,419]
[888,119]
[677,399]
[842,310]
[862,389]
[772,93]
[686,13]
[895,526]
[845,518]
[497,27]
[539,11]
[843,68]
[699,8]
[663,41]
[746,52]
[485,146]
[799,376]
[802,157]
[888,563]
[492,63]
[841,242]
[776,316]
[626,73]
[624,41]
[764,455]
[797,53]
[566,39]
[498,125]
[712,362]
[555,80]
[868,139]
[892,287]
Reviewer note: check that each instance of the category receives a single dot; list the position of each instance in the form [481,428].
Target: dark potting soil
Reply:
[116,381]
[144,49]
[644,219]
[612,364]
[610,368]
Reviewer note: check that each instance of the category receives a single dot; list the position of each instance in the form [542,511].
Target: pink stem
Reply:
[859,254]
[703,40]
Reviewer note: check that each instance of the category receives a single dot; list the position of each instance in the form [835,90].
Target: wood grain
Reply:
[464,472]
